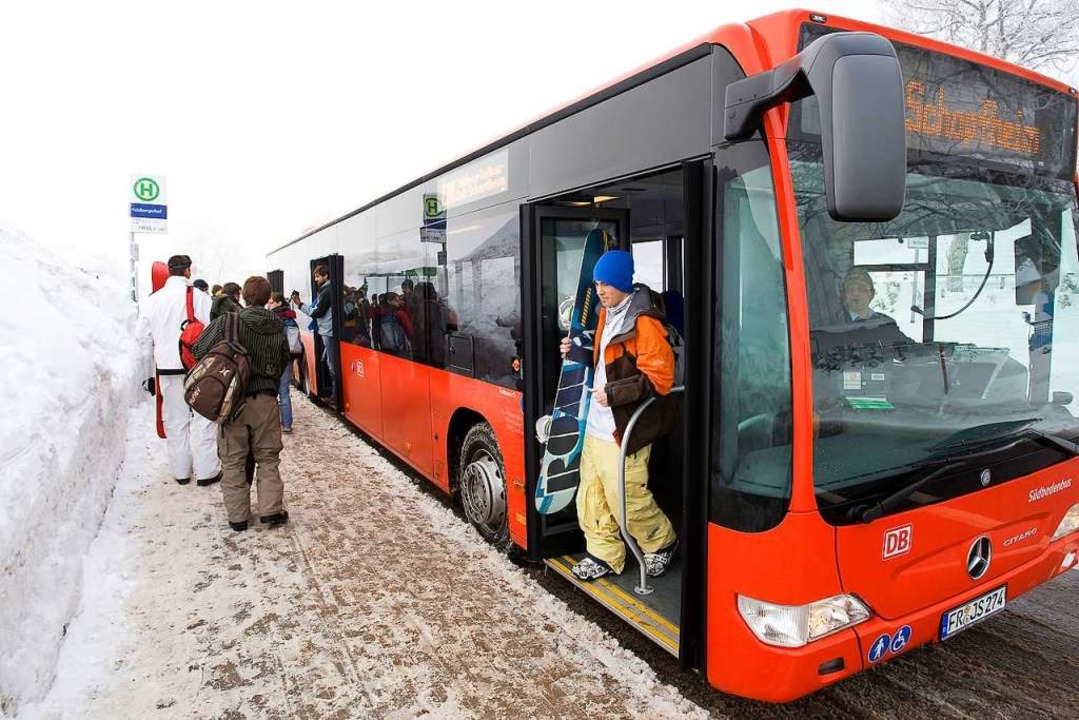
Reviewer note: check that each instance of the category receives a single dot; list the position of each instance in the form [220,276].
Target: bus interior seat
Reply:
[675,308]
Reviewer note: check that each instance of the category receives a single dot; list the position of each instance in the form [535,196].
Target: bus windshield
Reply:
[930,333]
[944,343]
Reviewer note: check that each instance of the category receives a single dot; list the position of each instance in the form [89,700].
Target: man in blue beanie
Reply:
[633,361]
[615,268]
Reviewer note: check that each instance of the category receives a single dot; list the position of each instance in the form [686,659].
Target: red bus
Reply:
[868,241]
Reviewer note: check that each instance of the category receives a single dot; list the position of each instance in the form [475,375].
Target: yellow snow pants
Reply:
[599,503]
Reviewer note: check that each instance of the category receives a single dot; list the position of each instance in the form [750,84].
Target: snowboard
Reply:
[560,467]
[159,273]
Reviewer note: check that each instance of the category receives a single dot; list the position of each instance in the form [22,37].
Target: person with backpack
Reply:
[174,310]
[395,327]
[228,301]
[634,361]
[287,316]
[255,426]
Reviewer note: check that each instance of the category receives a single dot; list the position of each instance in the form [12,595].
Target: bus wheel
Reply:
[483,486]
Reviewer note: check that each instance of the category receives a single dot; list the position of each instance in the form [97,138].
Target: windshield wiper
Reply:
[980,435]
[972,446]
[946,463]
[1066,445]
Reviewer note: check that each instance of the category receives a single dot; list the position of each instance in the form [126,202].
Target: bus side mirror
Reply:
[859,86]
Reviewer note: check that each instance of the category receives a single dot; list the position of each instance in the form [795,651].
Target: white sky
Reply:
[269,118]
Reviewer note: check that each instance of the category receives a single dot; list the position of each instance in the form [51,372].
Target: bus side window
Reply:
[648,264]
[479,295]
[751,375]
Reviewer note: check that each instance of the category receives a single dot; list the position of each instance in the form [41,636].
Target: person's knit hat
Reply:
[615,268]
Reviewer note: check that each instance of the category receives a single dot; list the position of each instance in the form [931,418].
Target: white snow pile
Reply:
[71,367]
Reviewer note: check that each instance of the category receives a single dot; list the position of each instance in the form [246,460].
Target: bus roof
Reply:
[775,35]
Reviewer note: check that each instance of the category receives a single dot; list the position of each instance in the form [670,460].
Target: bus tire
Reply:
[482,483]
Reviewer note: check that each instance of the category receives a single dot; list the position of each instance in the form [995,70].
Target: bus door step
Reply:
[645,614]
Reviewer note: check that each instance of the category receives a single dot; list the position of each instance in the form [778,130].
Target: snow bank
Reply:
[71,368]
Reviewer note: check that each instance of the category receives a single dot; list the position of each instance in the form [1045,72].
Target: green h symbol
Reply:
[146,189]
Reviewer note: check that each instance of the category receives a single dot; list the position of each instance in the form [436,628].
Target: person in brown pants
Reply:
[257,427]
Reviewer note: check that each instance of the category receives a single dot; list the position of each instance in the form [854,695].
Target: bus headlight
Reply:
[1069,524]
[796,625]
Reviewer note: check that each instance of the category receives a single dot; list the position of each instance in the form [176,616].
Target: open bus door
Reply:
[554,239]
[316,368]
[672,262]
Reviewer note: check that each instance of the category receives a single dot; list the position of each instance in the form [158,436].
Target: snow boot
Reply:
[276,519]
[210,481]
[183,481]
[238,526]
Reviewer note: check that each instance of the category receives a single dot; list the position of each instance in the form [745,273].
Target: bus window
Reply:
[567,238]
[987,283]
[751,442]
[1065,311]
[648,264]
[480,309]
[401,264]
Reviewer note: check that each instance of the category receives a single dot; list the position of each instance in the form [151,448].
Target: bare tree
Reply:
[1040,35]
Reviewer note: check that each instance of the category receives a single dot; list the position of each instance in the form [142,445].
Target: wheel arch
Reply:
[462,420]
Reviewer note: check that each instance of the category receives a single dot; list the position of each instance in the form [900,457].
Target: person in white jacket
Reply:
[192,439]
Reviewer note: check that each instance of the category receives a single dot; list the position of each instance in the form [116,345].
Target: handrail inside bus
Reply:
[643,588]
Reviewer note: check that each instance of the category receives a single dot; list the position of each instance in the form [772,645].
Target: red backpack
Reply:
[190,330]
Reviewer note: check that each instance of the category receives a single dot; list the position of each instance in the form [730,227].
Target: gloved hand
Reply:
[149,385]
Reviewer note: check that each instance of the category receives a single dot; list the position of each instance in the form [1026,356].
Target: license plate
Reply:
[972,612]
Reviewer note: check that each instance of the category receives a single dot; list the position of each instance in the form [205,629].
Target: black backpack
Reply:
[216,387]
[392,334]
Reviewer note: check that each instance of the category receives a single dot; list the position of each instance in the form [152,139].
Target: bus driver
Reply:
[858,292]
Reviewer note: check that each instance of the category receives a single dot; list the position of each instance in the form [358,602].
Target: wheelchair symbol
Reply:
[902,637]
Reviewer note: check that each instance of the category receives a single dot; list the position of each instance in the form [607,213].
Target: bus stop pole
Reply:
[133,255]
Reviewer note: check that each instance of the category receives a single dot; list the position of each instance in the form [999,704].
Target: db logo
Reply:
[897,541]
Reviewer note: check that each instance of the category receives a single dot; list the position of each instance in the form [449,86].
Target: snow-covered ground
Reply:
[71,367]
[374,601]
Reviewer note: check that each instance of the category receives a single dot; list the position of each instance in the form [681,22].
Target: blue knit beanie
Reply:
[615,268]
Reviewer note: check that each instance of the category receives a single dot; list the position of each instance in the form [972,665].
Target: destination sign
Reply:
[982,128]
[959,108]
[476,181]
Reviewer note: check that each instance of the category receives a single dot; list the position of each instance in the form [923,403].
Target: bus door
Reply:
[661,218]
[316,367]
[554,238]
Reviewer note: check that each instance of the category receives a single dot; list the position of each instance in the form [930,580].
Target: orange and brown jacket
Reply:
[640,363]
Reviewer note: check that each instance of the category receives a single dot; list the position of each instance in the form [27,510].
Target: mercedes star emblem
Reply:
[979,557]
